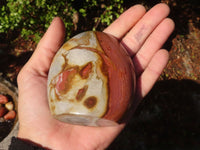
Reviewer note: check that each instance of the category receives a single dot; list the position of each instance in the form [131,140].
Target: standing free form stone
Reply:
[91,81]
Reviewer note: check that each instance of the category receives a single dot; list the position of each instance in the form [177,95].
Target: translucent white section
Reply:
[80,57]
[85,120]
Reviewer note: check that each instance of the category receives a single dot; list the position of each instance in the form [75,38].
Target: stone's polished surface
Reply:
[91,80]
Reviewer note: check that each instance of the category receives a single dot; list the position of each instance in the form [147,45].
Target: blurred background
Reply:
[169,116]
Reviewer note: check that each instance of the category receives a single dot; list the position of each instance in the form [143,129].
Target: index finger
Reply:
[126,21]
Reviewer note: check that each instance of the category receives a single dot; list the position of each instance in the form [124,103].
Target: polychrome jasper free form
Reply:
[91,81]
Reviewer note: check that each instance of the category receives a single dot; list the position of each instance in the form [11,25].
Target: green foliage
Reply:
[112,11]
[32,17]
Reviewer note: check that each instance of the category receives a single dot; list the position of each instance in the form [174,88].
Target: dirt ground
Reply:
[169,116]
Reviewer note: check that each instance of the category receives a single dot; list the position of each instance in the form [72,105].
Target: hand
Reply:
[141,33]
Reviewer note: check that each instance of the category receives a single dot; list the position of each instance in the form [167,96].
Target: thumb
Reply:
[47,47]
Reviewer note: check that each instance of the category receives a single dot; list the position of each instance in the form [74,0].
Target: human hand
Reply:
[141,33]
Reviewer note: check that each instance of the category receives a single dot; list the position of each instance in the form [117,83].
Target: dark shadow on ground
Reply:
[168,118]
[184,12]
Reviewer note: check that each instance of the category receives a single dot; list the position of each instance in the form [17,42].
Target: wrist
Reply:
[40,138]
[32,138]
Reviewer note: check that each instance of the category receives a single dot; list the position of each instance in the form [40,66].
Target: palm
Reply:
[36,122]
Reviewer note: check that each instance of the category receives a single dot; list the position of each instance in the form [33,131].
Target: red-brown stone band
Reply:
[121,76]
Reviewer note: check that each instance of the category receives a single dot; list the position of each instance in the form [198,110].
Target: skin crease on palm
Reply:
[142,33]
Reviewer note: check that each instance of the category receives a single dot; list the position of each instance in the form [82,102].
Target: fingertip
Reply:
[139,7]
[165,53]
[54,35]
[160,9]
[136,11]
[58,25]
[163,56]
[56,19]
[126,21]
[171,23]
[163,6]
[59,21]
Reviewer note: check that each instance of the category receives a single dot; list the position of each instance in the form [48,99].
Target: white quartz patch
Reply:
[80,57]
